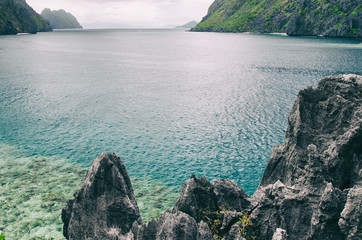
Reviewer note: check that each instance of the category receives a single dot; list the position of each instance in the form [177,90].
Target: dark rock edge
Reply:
[311,188]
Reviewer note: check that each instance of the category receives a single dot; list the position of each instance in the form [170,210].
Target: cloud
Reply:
[137,13]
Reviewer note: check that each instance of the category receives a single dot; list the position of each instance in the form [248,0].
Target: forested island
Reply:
[16,16]
[60,19]
[332,18]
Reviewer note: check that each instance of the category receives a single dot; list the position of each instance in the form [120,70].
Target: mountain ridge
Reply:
[60,19]
[329,18]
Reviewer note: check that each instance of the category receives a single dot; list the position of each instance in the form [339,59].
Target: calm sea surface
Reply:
[171,103]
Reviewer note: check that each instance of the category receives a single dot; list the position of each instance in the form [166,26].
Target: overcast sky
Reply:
[133,13]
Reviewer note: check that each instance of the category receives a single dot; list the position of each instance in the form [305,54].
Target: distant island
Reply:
[297,18]
[16,16]
[191,24]
[60,19]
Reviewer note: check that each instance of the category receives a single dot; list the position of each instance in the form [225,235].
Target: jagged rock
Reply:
[173,225]
[328,117]
[229,219]
[199,197]
[234,233]
[324,223]
[311,189]
[230,196]
[280,234]
[105,206]
[304,187]
[351,216]
[280,206]
[204,232]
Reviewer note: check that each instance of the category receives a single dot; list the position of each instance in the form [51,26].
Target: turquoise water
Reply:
[34,189]
[170,103]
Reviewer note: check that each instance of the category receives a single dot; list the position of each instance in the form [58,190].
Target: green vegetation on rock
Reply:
[331,18]
[16,16]
[60,19]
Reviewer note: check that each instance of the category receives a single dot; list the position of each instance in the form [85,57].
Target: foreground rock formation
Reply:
[16,16]
[311,188]
[332,18]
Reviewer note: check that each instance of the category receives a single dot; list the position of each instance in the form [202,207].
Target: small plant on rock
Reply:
[245,223]
[2,236]
[213,221]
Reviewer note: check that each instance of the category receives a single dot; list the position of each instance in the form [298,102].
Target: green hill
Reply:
[16,16]
[331,18]
[60,19]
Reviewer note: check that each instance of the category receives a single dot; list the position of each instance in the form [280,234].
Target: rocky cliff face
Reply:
[16,16]
[311,189]
[332,18]
[60,19]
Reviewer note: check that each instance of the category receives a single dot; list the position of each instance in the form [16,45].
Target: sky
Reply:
[128,13]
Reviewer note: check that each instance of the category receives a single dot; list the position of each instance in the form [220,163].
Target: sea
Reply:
[169,102]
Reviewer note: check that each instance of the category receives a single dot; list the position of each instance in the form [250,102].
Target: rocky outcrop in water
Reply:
[16,16]
[311,188]
[105,206]
[60,19]
[332,18]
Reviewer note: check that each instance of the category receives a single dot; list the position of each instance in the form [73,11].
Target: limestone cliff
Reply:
[311,188]
[16,16]
[332,18]
[60,19]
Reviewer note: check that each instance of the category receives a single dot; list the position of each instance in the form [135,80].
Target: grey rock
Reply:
[324,223]
[230,196]
[350,221]
[105,206]
[280,234]
[173,225]
[199,197]
[281,206]
[324,137]
[229,219]
[304,187]
[311,188]
[234,233]
[204,232]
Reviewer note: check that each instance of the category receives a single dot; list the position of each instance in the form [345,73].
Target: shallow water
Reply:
[170,103]
[34,190]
